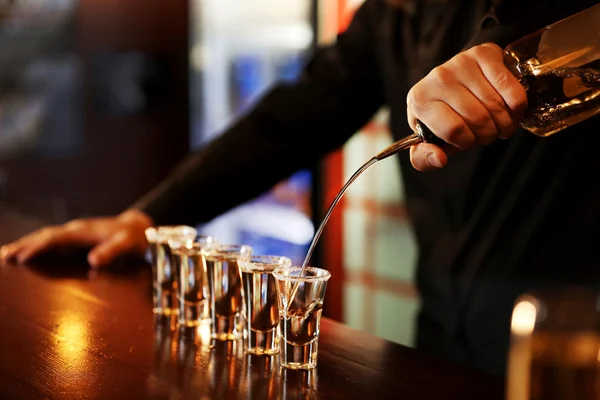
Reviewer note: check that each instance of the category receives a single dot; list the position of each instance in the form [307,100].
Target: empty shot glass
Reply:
[193,293]
[260,303]
[300,301]
[225,289]
[164,273]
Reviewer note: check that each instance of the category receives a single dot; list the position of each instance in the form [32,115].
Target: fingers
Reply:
[9,251]
[490,60]
[446,107]
[35,243]
[111,236]
[12,251]
[75,233]
[486,95]
[460,120]
[116,245]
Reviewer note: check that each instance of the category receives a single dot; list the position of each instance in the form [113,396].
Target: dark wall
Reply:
[132,111]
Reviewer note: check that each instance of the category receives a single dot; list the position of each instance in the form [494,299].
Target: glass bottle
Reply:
[560,68]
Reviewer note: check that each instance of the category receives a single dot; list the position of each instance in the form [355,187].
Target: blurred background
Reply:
[99,99]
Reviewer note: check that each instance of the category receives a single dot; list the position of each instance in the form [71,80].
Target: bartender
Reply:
[492,217]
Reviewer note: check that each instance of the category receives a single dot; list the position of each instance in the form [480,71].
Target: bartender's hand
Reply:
[107,237]
[470,100]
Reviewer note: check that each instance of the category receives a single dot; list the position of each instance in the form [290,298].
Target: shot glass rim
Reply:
[170,231]
[156,233]
[176,244]
[249,265]
[279,274]
[244,250]
[151,234]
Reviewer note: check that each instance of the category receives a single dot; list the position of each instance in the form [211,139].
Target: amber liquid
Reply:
[193,289]
[299,315]
[260,292]
[561,97]
[565,366]
[164,279]
[225,283]
[301,326]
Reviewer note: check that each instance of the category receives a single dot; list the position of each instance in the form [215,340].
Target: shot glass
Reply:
[225,289]
[164,272]
[192,294]
[260,303]
[300,300]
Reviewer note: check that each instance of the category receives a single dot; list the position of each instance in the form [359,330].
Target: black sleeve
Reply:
[509,20]
[289,129]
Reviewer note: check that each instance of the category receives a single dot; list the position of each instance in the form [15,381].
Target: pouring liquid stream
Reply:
[421,134]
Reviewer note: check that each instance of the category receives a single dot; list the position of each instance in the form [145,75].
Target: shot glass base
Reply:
[227,328]
[165,304]
[227,336]
[192,314]
[168,322]
[299,356]
[165,311]
[193,323]
[262,343]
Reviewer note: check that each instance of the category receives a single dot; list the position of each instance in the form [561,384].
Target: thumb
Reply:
[427,157]
[116,245]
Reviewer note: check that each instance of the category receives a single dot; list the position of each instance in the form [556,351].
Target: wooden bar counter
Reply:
[67,332]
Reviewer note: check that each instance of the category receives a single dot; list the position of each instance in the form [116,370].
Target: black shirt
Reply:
[496,221]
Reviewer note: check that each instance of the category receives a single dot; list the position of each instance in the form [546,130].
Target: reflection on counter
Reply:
[182,354]
[299,384]
[259,380]
[72,340]
[71,356]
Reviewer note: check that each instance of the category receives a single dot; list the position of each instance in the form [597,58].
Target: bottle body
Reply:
[560,69]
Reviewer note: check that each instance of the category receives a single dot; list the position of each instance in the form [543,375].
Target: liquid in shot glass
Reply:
[300,299]
[225,289]
[260,301]
[164,272]
[193,292]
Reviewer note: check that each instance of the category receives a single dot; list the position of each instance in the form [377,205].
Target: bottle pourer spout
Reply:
[422,134]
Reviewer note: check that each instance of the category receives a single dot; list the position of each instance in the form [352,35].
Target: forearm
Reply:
[290,128]
[235,168]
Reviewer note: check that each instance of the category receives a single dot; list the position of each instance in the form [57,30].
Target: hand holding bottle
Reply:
[472,99]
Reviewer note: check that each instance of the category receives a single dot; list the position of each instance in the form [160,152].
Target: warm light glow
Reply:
[523,318]
[72,339]
[204,334]
[570,60]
